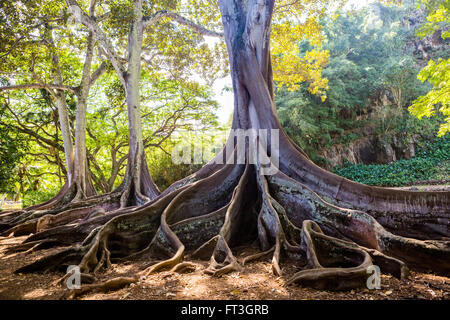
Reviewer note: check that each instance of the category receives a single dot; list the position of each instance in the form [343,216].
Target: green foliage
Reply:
[437,74]
[11,151]
[371,78]
[438,16]
[168,106]
[33,197]
[306,119]
[164,172]
[432,162]
[438,99]
[29,123]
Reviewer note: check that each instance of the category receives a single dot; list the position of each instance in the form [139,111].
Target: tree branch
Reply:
[38,86]
[98,72]
[150,20]
[103,17]
[92,25]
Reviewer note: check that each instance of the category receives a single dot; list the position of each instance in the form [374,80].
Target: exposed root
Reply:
[332,263]
[257,256]
[414,214]
[30,222]
[222,260]
[67,193]
[59,202]
[75,233]
[431,255]
[84,278]
[110,285]
[205,251]
[388,265]
[95,252]
[276,258]
[184,267]
[169,263]
[21,229]
[32,246]
[272,224]
[57,261]
[358,227]
[67,217]
[285,217]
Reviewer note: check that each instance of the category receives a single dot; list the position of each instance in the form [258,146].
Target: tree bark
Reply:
[63,113]
[81,177]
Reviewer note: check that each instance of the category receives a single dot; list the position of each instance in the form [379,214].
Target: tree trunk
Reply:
[81,178]
[64,123]
[139,186]
[255,108]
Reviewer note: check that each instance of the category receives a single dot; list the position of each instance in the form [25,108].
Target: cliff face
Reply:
[424,48]
[371,149]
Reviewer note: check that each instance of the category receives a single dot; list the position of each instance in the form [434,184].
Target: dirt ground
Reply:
[255,281]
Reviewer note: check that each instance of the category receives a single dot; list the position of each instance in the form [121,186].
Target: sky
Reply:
[225,98]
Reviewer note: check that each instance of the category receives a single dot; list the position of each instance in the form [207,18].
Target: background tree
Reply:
[168,106]
[27,29]
[78,185]
[11,149]
[137,186]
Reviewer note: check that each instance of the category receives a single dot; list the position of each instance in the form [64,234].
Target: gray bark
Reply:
[81,172]
[64,123]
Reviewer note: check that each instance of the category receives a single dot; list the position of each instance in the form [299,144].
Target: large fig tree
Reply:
[264,188]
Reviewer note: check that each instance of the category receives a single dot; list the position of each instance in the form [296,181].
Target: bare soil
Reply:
[255,281]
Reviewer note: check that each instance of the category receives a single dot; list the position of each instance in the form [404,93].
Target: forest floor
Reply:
[254,282]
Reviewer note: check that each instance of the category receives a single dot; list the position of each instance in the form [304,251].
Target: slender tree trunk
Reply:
[81,177]
[78,185]
[139,185]
[64,123]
